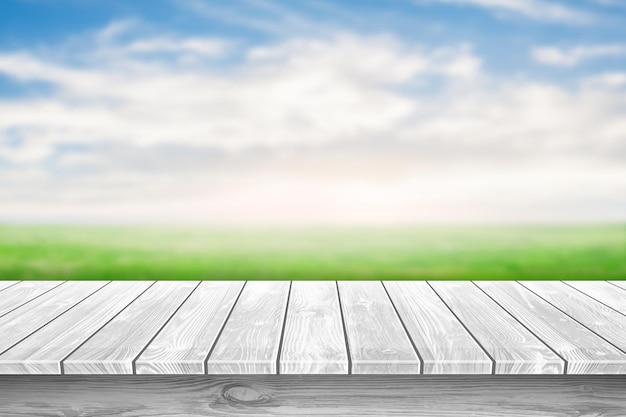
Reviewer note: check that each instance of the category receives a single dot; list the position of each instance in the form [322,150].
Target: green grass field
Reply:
[476,253]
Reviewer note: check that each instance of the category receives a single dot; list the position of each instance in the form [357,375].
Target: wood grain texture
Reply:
[314,341]
[113,348]
[43,351]
[26,319]
[312,327]
[444,345]
[602,291]
[250,340]
[7,284]
[514,349]
[584,351]
[313,395]
[601,319]
[377,341]
[184,343]
[24,292]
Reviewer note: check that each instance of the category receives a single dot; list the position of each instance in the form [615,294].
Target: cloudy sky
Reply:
[313,111]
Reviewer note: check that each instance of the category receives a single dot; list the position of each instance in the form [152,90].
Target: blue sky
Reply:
[312,111]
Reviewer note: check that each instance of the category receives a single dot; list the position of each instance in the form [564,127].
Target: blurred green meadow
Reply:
[29,252]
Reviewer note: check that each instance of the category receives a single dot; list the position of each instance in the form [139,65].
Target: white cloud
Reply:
[607,80]
[193,45]
[345,128]
[534,9]
[325,90]
[114,29]
[573,56]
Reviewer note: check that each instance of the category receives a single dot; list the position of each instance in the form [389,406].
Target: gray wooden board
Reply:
[313,340]
[313,395]
[584,351]
[603,320]
[443,343]
[602,291]
[184,343]
[514,349]
[43,351]
[377,340]
[250,340]
[7,284]
[114,347]
[24,292]
[26,319]
[213,327]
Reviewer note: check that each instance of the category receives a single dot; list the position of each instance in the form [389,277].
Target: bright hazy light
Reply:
[340,128]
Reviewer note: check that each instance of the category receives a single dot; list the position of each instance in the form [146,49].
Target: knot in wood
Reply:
[245,395]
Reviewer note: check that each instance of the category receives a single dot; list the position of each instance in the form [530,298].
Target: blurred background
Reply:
[313,139]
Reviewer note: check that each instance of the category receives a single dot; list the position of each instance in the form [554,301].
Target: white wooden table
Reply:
[300,327]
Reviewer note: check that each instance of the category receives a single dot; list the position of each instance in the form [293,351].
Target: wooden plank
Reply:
[113,349]
[602,291]
[314,341]
[377,340]
[621,284]
[514,349]
[601,319]
[26,319]
[584,351]
[7,284]
[250,340]
[313,395]
[43,351]
[443,343]
[184,343]
[24,292]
